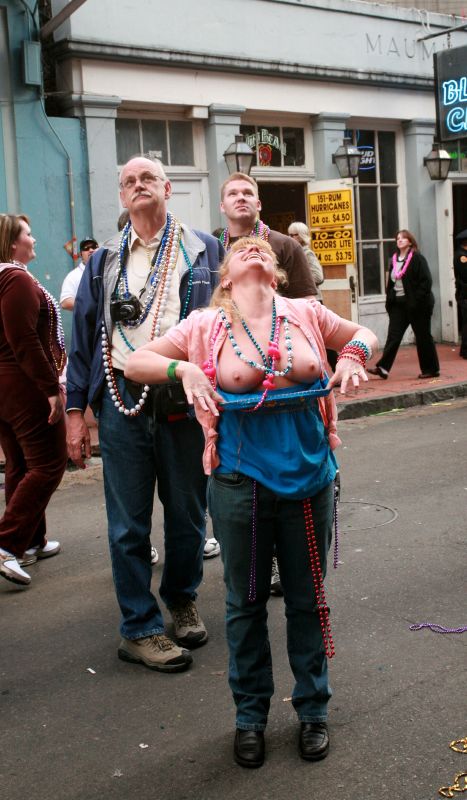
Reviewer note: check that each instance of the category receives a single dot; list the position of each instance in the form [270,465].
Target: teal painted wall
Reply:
[45,196]
[3,201]
[42,167]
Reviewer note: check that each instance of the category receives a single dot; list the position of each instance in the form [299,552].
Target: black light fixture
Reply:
[438,163]
[239,156]
[347,159]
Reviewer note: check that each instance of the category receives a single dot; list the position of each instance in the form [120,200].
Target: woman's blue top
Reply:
[284,445]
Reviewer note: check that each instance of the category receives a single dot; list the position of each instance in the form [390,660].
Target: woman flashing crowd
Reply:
[252,364]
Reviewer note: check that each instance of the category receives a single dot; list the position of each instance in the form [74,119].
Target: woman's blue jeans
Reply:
[136,453]
[280,522]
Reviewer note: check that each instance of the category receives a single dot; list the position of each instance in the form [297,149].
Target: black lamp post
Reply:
[347,159]
[437,162]
[239,156]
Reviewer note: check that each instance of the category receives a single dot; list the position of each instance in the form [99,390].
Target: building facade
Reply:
[454,7]
[43,160]
[178,81]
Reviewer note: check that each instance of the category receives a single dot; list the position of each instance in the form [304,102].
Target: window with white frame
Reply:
[377,214]
[169,140]
[458,152]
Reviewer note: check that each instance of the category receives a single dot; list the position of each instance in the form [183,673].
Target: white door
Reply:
[445,221]
[190,202]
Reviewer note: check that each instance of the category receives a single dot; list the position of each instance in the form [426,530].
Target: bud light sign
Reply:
[451,93]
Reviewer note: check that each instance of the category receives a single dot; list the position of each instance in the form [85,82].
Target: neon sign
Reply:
[368,159]
[451,93]
[456,92]
[264,137]
[456,120]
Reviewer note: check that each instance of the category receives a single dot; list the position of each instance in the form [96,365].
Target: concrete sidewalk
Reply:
[401,390]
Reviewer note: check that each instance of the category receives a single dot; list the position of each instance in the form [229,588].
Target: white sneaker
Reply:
[34,553]
[211,548]
[11,570]
[154,556]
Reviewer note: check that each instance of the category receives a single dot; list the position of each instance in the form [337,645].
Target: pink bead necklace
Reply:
[399,273]
[261,230]
[268,365]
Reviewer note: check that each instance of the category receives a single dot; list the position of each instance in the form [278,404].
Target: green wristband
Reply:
[171,370]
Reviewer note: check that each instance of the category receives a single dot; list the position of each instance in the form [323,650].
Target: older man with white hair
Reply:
[136,287]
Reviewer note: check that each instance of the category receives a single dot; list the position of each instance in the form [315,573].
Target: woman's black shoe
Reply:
[378,371]
[314,740]
[424,375]
[249,748]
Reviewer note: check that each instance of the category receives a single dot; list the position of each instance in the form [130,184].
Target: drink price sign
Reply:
[328,209]
[334,245]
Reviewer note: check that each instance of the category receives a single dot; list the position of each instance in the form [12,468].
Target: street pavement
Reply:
[78,724]
[403,388]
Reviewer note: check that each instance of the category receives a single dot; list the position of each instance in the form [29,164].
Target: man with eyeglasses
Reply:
[73,279]
[135,288]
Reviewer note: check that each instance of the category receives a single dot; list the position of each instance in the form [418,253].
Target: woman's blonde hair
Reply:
[222,295]
[10,229]
[301,230]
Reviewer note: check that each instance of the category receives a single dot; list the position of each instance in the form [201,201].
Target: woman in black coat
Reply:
[409,301]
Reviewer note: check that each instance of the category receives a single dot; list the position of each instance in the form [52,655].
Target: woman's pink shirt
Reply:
[193,336]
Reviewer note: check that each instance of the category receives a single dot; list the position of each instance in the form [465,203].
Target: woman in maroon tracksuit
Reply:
[32,424]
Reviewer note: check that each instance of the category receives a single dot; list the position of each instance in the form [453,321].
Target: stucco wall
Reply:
[45,197]
[365,64]
[41,164]
[300,37]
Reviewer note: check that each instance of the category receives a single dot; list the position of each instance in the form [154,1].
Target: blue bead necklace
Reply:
[267,365]
[165,264]
[190,281]
[266,361]
[185,305]
[260,230]
[164,260]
